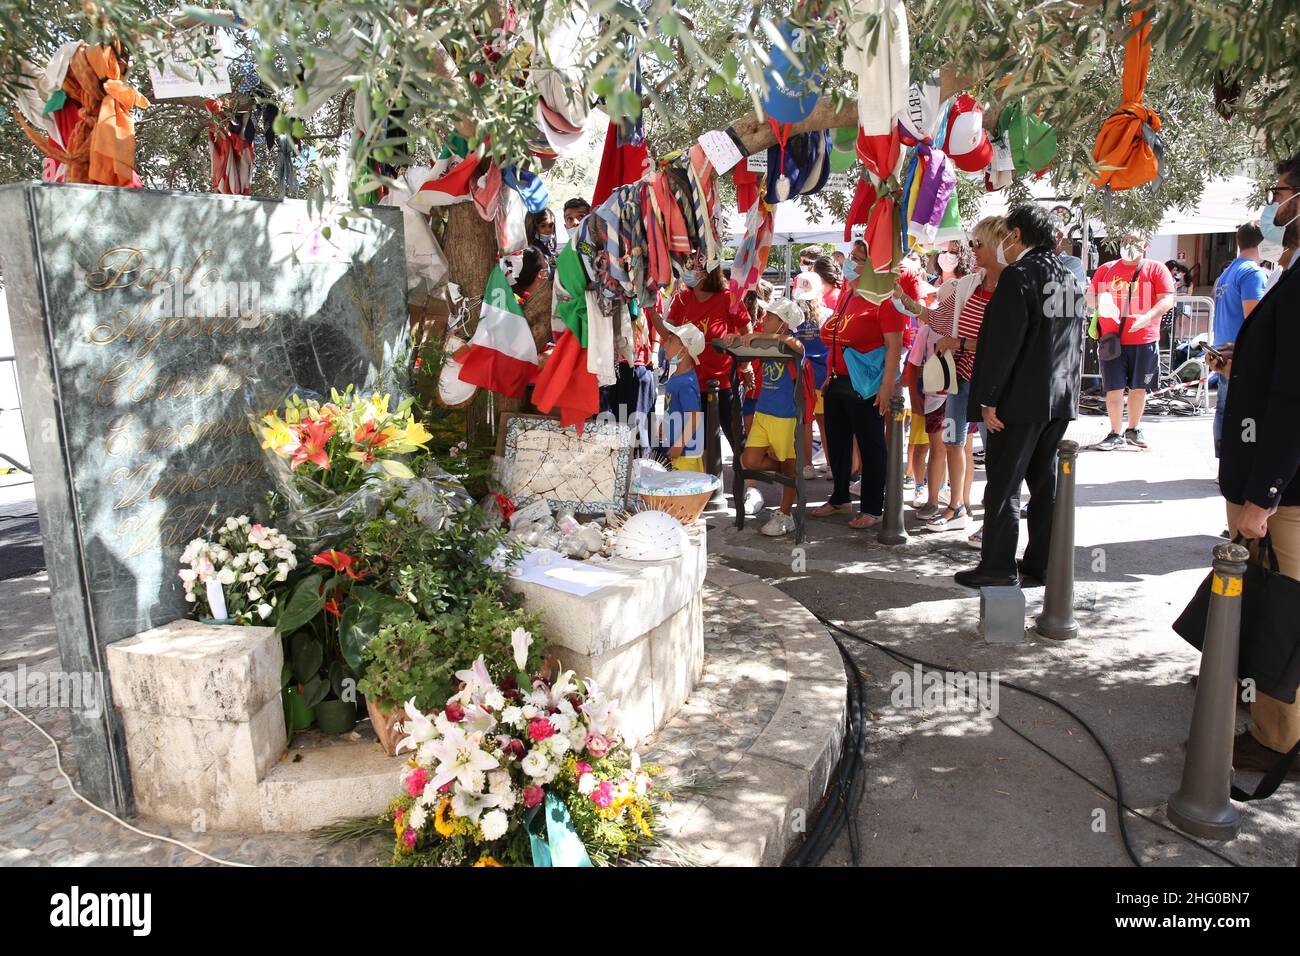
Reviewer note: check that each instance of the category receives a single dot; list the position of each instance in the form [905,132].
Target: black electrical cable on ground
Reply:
[845,791]
[1117,797]
[855,751]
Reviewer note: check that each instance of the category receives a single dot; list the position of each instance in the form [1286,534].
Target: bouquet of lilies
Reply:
[491,767]
[251,562]
[342,442]
[331,460]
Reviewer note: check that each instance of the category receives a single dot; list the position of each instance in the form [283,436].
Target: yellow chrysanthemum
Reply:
[486,861]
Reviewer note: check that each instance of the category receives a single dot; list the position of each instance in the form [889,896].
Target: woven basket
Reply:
[685,508]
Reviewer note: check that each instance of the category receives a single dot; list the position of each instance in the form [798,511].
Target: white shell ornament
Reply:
[452,392]
[650,536]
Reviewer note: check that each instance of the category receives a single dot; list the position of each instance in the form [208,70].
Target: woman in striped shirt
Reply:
[957,318]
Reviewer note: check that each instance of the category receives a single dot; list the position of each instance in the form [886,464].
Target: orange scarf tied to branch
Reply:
[101,148]
[1126,148]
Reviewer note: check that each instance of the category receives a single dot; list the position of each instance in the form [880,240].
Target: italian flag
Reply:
[502,355]
[565,384]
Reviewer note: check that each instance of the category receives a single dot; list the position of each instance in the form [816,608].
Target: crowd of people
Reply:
[1014,381]
[985,337]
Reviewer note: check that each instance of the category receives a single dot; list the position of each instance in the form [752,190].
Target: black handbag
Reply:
[838,386]
[1111,345]
[1269,651]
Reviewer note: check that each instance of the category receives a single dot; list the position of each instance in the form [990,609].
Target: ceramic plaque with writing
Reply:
[543,460]
[165,316]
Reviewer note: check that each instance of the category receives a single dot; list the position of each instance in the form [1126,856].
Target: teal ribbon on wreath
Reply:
[552,837]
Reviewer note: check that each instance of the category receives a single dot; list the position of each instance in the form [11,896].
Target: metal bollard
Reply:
[1057,620]
[892,529]
[713,440]
[1201,806]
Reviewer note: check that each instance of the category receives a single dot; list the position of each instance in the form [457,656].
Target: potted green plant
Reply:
[337,714]
[324,624]
[417,659]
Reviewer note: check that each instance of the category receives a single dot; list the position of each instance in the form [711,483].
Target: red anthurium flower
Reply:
[312,438]
[332,605]
[343,563]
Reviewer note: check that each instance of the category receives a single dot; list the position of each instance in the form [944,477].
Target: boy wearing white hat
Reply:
[683,410]
[769,445]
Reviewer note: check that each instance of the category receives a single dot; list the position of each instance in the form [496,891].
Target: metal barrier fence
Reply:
[1193,316]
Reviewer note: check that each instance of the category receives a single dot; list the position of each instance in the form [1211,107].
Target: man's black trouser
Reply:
[1021,452]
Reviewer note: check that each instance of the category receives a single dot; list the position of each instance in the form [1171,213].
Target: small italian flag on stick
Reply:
[502,355]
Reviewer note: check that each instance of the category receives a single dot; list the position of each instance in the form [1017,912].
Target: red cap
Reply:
[977,159]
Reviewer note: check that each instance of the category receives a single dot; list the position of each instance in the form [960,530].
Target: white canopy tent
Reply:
[1223,207]
[792,226]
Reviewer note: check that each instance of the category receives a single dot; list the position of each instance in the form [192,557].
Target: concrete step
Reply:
[315,785]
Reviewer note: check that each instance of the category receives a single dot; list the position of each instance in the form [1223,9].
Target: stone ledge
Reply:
[326,784]
[599,622]
[197,671]
[748,820]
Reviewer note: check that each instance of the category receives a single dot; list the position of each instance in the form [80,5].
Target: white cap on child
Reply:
[788,312]
[690,336]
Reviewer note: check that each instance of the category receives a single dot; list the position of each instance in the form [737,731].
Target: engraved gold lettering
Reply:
[116,268]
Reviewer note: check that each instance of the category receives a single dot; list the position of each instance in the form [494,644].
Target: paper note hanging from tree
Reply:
[721,150]
[542,460]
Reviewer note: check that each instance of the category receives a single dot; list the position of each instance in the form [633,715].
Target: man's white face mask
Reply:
[1131,251]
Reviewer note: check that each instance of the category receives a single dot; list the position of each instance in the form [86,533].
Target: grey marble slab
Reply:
[146,325]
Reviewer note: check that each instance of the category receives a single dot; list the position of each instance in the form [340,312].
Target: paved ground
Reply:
[951,787]
[945,786]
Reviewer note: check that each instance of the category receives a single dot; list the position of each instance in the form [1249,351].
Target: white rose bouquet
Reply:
[249,560]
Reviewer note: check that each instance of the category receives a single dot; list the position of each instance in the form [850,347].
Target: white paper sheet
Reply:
[720,149]
[551,569]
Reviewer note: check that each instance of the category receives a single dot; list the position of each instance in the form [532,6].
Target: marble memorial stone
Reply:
[146,325]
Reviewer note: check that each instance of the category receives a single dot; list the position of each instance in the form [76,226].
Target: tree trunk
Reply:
[470,244]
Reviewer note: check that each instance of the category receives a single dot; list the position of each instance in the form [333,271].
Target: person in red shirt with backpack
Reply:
[863,326]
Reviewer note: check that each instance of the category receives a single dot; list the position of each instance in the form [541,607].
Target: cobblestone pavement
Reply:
[729,706]
[42,823]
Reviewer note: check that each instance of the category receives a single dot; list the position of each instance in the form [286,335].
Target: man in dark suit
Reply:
[1025,388]
[1260,450]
